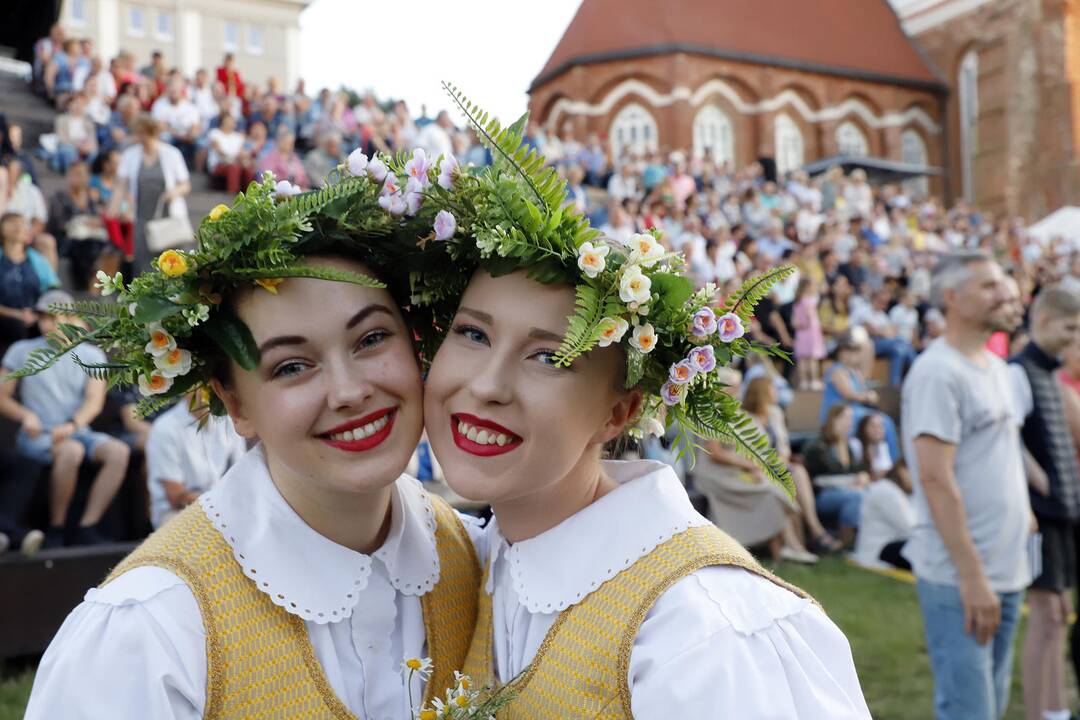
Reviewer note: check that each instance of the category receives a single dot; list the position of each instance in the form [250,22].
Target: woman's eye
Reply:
[471,334]
[372,339]
[547,357]
[288,369]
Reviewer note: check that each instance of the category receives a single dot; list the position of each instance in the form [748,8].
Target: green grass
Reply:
[879,615]
[881,618]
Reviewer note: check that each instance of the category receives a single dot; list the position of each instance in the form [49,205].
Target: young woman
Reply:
[300,582]
[607,595]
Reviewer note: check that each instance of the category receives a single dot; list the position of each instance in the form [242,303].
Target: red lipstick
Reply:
[361,444]
[481,449]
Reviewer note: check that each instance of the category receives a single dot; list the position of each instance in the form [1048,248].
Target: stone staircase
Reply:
[36,116]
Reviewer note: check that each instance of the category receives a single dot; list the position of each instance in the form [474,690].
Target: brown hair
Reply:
[146,124]
[756,400]
[827,431]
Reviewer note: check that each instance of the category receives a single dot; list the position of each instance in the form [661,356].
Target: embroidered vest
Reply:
[582,665]
[260,661]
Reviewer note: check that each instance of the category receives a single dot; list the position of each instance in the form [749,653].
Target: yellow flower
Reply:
[428,715]
[269,284]
[413,664]
[172,263]
[218,211]
[462,701]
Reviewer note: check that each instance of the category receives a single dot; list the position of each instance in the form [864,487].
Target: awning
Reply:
[1062,223]
[878,170]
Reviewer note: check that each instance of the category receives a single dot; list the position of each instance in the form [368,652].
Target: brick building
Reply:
[1013,116]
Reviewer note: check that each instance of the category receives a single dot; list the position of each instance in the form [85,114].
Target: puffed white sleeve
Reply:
[133,649]
[477,533]
[724,642]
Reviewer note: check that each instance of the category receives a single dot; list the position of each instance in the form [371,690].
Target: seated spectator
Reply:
[624,183]
[255,144]
[229,76]
[100,94]
[183,459]
[24,275]
[884,334]
[870,447]
[435,137]
[15,147]
[19,194]
[576,197]
[120,130]
[202,96]
[845,384]
[226,158]
[744,503]
[886,519]
[758,366]
[55,409]
[321,161]
[75,221]
[103,185]
[839,480]
[76,135]
[282,160]
[904,316]
[60,72]
[180,119]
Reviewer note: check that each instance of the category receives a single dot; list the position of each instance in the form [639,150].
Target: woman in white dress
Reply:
[606,595]
[296,587]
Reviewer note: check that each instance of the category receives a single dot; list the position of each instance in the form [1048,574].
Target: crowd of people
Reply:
[876,287]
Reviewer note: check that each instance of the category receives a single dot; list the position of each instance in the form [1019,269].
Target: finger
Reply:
[969,619]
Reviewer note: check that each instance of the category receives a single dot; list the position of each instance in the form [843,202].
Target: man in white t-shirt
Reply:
[181,119]
[184,461]
[968,548]
[435,137]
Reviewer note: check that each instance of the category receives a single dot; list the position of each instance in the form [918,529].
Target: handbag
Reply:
[165,232]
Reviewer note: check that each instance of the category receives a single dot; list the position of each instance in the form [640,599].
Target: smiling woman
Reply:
[315,561]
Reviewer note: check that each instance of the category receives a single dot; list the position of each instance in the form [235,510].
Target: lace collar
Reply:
[560,567]
[300,570]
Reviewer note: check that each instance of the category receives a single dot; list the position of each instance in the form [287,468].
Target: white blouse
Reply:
[137,647]
[722,642]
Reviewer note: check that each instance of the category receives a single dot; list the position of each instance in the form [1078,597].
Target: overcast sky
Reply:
[404,49]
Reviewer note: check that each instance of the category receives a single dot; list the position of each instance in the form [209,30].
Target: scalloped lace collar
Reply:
[299,569]
[561,566]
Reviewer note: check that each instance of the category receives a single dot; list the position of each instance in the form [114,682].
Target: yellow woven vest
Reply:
[260,661]
[581,668]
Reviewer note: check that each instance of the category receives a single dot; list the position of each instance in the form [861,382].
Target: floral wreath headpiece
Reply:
[513,215]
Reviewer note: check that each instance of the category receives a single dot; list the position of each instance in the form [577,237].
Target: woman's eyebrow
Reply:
[365,312]
[539,334]
[281,340]
[481,316]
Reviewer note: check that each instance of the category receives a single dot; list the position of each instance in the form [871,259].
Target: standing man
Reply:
[973,518]
[1055,496]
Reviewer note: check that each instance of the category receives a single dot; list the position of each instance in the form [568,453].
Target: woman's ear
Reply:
[624,410]
[228,397]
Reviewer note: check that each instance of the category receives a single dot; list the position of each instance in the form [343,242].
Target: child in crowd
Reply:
[809,338]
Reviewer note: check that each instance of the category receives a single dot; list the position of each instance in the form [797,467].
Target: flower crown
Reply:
[169,325]
[513,215]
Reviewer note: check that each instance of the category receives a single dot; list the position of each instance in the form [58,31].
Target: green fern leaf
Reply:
[743,301]
[309,271]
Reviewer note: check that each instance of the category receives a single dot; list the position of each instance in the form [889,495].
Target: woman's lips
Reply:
[482,437]
[363,434]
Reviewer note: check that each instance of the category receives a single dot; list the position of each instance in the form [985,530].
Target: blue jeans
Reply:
[65,157]
[900,354]
[971,681]
[844,504]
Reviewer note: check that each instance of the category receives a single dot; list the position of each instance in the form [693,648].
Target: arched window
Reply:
[633,131]
[850,140]
[713,135]
[913,151]
[789,145]
[967,82]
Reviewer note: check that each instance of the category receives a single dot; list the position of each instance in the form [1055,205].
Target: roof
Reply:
[851,38]
[878,170]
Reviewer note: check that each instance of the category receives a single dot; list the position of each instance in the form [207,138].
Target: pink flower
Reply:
[376,168]
[682,372]
[357,162]
[390,184]
[703,359]
[445,225]
[417,167]
[672,394]
[413,201]
[393,203]
[448,165]
[704,323]
[730,327]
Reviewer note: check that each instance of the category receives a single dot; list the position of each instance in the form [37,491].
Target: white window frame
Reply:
[132,30]
[234,44]
[913,151]
[171,32]
[252,33]
[967,84]
[790,144]
[851,140]
[713,131]
[633,127]
[80,18]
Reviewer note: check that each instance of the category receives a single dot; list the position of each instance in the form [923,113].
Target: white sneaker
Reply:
[32,542]
[798,556]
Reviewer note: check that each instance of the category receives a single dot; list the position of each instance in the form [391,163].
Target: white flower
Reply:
[133,308]
[155,384]
[357,162]
[652,426]
[197,315]
[447,168]
[612,331]
[174,363]
[109,285]
[644,250]
[420,666]
[644,338]
[161,341]
[634,286]
[591,258]
[445,225]
[393,203]
[376,168]
[285,189]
